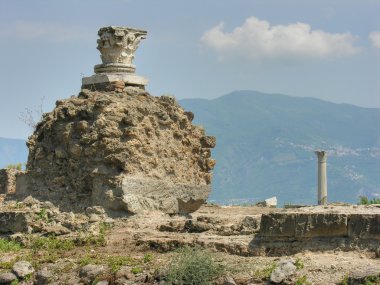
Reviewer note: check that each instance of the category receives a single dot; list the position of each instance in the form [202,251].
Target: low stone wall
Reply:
[315,225]
[286,233]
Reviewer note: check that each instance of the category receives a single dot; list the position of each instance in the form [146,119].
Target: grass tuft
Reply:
[9,245]
[193,266]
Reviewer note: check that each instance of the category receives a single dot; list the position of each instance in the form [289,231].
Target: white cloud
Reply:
[257,40]
[375,39]
[27,30]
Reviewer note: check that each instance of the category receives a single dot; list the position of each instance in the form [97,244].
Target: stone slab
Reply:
[278,225]
[13,222]
[140,194]
[321,225]
[127,78]
[364,226]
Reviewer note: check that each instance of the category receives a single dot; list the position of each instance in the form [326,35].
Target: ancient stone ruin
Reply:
[116,146]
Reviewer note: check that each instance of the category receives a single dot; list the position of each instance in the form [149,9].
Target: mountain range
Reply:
[266,143]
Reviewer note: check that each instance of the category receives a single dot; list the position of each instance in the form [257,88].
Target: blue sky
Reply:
[194,49]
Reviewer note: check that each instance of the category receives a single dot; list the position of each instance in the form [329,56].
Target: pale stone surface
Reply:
[271,202]
[284,269]
[7,278]
[90,271]
[322,177]
[128,79]
[22,268]
[117,46]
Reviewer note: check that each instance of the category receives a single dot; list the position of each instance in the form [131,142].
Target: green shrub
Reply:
[193,266]
[265,272]
[363,200]
[17,166]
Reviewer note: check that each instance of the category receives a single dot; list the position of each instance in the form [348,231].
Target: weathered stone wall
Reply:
[8,180]
[125,151]
[287,233]
[316,225]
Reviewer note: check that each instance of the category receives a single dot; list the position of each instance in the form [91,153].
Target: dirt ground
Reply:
[145,244]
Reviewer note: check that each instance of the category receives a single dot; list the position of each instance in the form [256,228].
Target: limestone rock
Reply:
[270,202]
[90,271]
[229,281]
[14,222]
[126,152]
[284,269]
[364,276]
[22,269]
[7,278]
[44,276]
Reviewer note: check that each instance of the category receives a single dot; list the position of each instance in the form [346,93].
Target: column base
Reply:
[106,81]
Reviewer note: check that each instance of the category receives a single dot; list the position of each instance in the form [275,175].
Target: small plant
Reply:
[371,280]
[17,166]
[363,200]
[91,239]
[266,272]
[32,117]
[302,281]
[113,262]
[147,257]
[136,270]
[299,264]
[116,262]
[344,281]
[193,266]
[15,282]
[42,215]
[9,245]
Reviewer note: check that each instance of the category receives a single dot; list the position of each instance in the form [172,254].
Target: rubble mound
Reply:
[127,152]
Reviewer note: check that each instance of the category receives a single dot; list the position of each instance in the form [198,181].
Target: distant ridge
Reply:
[266,142]
[265,145]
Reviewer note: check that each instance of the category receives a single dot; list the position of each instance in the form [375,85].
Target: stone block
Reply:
[365,226]
[127,78]
[8,180]
[278,225]
[22,182]
[321,225]
[14,222]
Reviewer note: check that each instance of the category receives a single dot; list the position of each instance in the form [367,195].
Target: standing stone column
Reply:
[322,177]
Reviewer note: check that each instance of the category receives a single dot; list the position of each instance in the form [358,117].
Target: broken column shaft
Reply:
[322,177]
